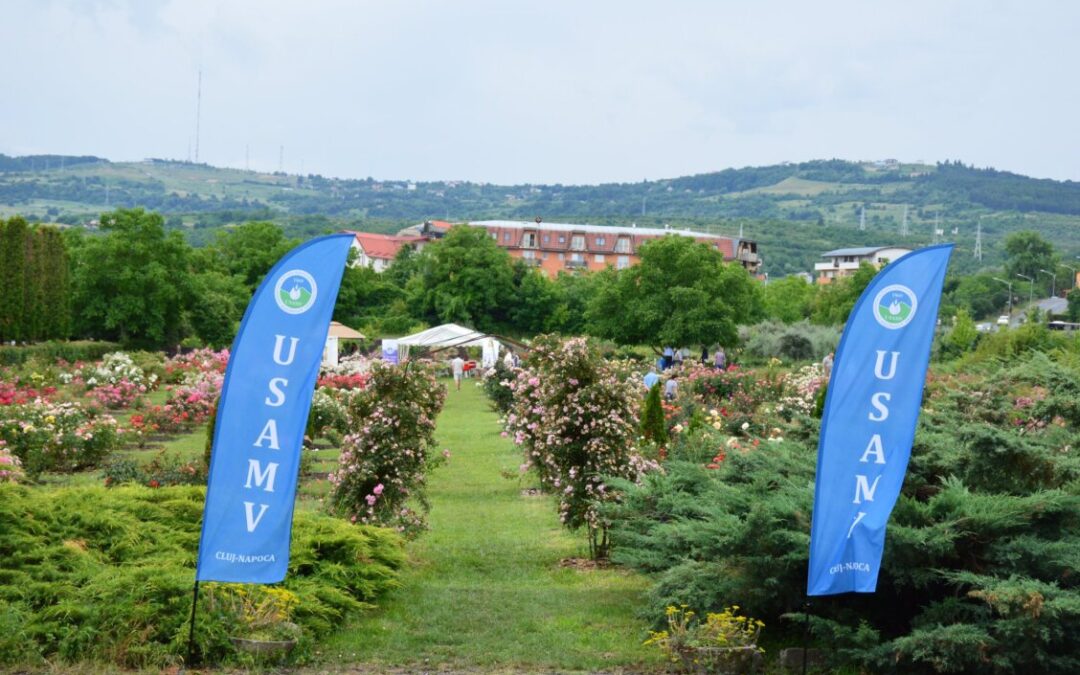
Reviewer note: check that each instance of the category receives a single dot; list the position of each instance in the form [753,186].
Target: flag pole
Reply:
[191,629]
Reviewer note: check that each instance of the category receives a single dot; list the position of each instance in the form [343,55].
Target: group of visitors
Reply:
[671,358]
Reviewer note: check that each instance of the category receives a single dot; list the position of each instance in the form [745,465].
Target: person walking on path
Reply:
[669,355]
[651,378]
[458,368]
[678,356]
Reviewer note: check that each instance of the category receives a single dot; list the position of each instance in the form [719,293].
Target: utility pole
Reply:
[903,223]
[862,219]
[978,241]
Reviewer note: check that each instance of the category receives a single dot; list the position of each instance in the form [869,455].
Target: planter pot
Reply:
[263,647]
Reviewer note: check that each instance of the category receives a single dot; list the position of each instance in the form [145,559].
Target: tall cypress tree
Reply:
[13,244]
[57,286]
[34,309]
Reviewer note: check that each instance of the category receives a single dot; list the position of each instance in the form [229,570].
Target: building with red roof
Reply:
[377,251]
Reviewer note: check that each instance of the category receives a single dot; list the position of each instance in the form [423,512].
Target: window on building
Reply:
[506,236]
[599,241]
[547,238]
[598,258]
[577,242]
[528,255]
[561,256]
[577,257]
[562,239]
[622,262]
[529,240]
[495,236]
[622,245]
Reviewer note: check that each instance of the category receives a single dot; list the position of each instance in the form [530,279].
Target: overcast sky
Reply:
[544,92]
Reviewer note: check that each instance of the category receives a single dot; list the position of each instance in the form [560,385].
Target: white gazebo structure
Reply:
[338,331]
[451,335]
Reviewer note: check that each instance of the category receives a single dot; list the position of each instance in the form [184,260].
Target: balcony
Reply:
[576,264]
[531,262]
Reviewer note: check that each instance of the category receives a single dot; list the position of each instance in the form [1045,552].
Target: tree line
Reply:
[139,283]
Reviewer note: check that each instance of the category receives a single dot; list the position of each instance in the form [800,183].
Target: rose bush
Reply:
[60,437]
[576,418]
[382,472]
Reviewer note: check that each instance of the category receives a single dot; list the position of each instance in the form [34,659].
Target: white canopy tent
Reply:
[451,335]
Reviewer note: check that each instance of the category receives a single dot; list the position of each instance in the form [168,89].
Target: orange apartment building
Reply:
[566,247]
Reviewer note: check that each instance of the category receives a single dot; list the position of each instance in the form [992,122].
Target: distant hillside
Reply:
[795,210]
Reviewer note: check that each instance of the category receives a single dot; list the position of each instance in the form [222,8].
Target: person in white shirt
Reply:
[508,360]
[458,367]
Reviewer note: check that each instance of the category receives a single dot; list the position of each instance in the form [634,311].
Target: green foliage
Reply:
[978,569]
[835,300]
[788,299]
[799,341]
[463,278]
[35,304]
[653,424]
[371,300]
[50,352]
[980,295]
[962,337]
[1027,253]
[105,575]
[1074,304]
[218,305]
[680,293]
[248,251]
[132,284]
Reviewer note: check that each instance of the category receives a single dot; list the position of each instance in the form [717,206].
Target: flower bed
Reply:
[60,437]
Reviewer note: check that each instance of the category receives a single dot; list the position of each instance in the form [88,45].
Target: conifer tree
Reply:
[13,243]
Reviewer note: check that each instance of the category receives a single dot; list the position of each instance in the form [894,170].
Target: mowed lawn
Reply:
[484,587]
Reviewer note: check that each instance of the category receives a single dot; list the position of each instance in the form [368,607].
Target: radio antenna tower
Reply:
[862,218]
[198,113]
[938,232]
[903,224]
[978,241]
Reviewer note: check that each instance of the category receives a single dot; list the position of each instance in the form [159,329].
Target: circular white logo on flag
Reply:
[894,306]
[295,292]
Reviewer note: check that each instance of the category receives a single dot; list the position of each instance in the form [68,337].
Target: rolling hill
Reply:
[795,211]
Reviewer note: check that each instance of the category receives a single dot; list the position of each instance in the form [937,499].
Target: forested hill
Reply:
[794,208]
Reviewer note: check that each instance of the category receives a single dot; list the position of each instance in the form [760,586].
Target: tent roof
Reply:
[341,331]
[446,335]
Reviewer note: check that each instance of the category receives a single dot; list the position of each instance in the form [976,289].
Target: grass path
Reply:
[484,589]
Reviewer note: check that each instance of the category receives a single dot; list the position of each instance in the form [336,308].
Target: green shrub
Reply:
[106,575]
[50,352]
[979,567]
[653,425]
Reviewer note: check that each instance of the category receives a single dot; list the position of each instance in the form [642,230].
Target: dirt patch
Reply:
[585,563]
